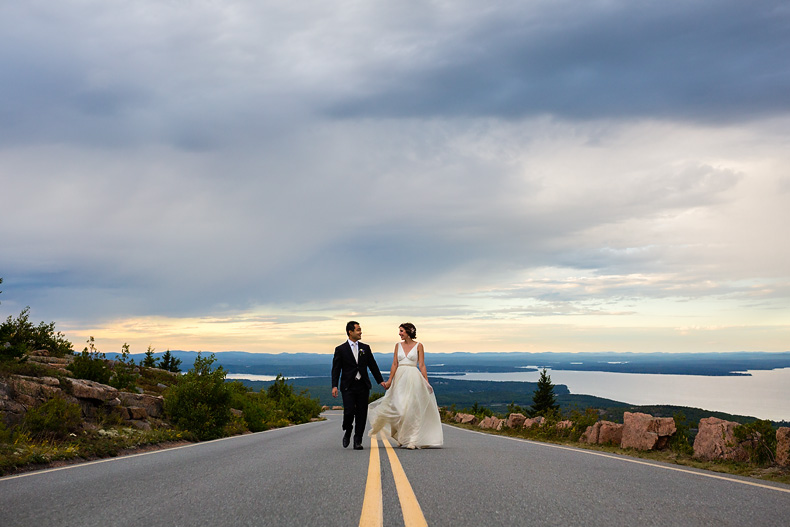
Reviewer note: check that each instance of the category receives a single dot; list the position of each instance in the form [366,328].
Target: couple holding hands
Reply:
[408,411]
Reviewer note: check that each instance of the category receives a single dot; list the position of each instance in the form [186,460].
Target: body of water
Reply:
[763,393]
[252,377]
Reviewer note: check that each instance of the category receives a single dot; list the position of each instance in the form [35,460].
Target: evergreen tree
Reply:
[149,361]
[170,363]
[544,400]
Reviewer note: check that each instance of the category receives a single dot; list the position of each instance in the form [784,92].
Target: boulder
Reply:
[562,425]
[610,433]
[534,421]
[466,419]
[60,363]
[154,404]
[142,425]
[603,433]
[590,435]
[783,446]
[516,420]
[491,422]
[85,389]
[716,440]
[136,412]
[23,385]
[645,432]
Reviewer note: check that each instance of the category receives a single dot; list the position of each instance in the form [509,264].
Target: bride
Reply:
[408,411]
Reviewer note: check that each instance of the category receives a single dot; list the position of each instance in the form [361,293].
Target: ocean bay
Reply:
[761,393]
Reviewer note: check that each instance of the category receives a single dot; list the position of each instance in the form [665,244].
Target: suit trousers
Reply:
[355,408]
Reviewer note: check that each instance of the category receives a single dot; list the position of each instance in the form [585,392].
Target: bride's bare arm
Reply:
[421,362]
[393,368]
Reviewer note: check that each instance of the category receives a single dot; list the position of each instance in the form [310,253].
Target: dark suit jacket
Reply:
[345,368]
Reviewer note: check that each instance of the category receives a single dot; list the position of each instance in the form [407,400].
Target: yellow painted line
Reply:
[372,506]
[636,461]
[412,513]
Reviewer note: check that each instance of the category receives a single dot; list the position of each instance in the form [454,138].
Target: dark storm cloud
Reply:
[706,61]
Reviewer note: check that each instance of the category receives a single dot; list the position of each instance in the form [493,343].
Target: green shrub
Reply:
[30,369]
[259,413]
[296,408]
[581,421]
[258,410]
[91,365]
[481,412]
[302,408]
[6,435]
[759,440]
[19,336]
[280,390]
[54,419]
[680,442]
[201,400]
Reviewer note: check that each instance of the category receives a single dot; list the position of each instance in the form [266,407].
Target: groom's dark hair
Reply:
[350,326]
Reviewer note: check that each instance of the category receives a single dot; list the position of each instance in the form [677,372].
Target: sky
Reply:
[606,175]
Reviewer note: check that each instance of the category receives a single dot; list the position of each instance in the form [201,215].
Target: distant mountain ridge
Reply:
[319,364]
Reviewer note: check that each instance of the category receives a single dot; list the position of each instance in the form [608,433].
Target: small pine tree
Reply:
[123,375]
[169,363]
[149,361]
[544,400]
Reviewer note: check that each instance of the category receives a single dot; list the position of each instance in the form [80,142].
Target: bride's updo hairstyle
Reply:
[410,329]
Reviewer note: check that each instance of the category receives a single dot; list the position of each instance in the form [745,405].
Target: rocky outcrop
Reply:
[516,420]
[153,405]
[85,389]
[492,423]
[466,419]
[716,440]
[562,425]
[20,393]
[603,433]
[783,446]
[645,432]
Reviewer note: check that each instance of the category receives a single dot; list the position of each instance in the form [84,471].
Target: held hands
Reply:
[386,384]
[334,391]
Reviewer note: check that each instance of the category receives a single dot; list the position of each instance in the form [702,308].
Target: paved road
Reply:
[301,476]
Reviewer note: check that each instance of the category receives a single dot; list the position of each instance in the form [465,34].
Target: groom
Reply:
[350,367]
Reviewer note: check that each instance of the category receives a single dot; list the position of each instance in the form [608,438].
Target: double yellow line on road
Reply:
[373,506]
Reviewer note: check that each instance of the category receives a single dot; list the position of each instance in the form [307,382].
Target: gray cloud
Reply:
[158,159]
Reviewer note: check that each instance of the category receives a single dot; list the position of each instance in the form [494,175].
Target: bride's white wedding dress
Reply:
[408,411]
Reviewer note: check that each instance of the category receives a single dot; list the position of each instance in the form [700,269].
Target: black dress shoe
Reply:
[357,446]
[346,440]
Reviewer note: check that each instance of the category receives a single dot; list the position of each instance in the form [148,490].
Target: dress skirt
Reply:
[408,411]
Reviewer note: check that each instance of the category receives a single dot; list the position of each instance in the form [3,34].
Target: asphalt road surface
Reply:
[302,476]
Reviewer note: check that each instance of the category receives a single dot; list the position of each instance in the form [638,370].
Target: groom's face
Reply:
[356,333]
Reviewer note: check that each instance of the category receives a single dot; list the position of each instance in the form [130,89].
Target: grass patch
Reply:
[26,452]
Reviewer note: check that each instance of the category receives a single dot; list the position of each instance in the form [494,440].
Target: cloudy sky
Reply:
[513,176]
